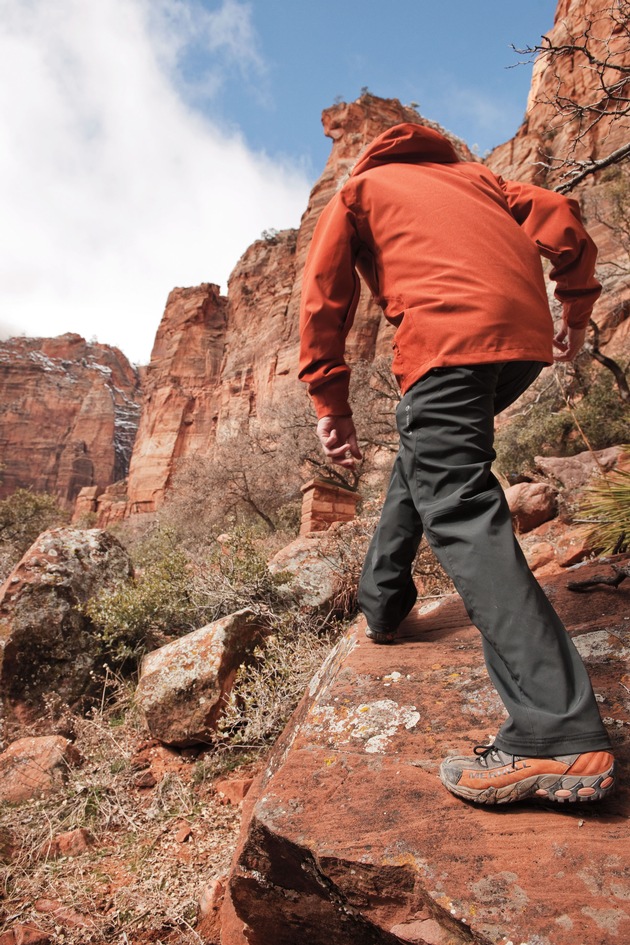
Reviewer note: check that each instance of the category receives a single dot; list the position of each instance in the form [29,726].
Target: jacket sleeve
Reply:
[330,294]
[554,223]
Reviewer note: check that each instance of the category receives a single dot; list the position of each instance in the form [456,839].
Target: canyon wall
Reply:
[70,412]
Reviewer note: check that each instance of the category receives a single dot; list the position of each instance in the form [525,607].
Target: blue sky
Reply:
[146,143]
[455,59]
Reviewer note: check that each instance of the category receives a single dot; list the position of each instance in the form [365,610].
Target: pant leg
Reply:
[446,455]
[386,589]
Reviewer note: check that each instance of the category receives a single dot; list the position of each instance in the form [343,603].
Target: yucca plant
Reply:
[606,508]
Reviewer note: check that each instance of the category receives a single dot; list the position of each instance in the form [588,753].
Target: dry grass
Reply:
[153,848]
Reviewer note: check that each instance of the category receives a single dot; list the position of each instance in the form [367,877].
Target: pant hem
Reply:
[549,748]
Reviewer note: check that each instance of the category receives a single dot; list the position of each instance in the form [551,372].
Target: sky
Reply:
[144,144]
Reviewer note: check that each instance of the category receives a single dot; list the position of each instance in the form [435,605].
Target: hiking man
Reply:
[451,253]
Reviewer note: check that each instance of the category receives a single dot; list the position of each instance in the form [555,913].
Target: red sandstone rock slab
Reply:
[350,837]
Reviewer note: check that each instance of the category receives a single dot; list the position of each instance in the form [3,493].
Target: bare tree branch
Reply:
[616,369]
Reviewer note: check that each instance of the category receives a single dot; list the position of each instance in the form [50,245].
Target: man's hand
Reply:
[569,341]
[339,440]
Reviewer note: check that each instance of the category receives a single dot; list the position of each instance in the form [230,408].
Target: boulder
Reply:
[31,767]
[21,934]
[573,546]
[48,647]
[184,685]
[531,504]
[573,472]
[233,790]
[540,555]
[314,575]
[325,566]
[349,836]
[68,843]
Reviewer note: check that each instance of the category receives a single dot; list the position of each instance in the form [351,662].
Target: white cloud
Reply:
[113,189]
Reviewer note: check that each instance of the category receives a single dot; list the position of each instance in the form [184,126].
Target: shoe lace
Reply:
[488,753]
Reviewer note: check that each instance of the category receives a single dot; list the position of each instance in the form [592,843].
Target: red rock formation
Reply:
[219,364]
[70,413]
[349,836]
[256,343]
[181,404]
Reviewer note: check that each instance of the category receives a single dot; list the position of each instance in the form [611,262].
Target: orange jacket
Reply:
[451,253]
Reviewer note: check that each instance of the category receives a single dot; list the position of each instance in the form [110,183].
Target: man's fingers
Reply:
[354,447]
[339,442]
[569,341]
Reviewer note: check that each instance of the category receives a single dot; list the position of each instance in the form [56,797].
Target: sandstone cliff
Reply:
[548,137]
[69,415]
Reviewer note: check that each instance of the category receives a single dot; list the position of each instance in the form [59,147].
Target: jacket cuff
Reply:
[576,316]
[331,399]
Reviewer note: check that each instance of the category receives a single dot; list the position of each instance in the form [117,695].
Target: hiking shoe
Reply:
[497,777]
[380,636]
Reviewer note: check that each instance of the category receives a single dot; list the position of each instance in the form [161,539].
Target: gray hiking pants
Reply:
[442,486]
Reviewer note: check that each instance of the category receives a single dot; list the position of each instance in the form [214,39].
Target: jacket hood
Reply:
[406,144]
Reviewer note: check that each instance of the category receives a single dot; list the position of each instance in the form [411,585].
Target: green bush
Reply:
[539,432]
[154,604]
[172,594]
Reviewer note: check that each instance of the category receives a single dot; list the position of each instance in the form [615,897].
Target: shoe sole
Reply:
[563,789]
[382,638]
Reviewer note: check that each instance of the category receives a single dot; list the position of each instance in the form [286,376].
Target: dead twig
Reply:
[582,587]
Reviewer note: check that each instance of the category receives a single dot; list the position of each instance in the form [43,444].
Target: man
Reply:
[452,254]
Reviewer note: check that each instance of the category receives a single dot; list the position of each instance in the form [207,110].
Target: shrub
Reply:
[268,689]
[156,602]
[171,594]
[235,575]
